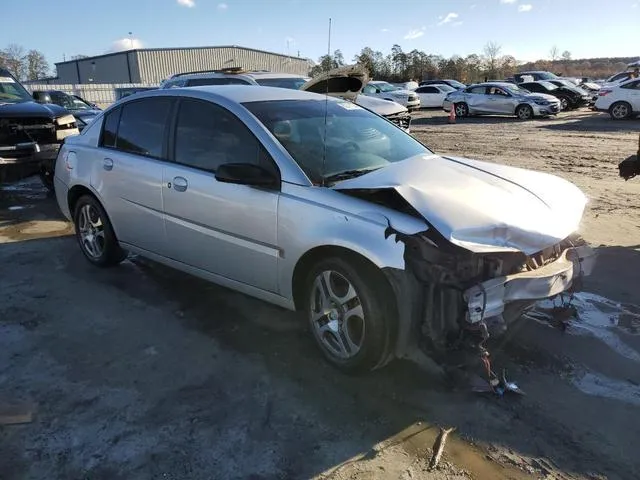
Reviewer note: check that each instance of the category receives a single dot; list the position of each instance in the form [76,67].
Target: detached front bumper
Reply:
[489,299]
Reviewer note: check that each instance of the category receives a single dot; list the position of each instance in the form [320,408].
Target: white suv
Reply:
[386,91]
[621,101]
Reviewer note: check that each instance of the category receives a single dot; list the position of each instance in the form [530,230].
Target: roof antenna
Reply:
[326,109]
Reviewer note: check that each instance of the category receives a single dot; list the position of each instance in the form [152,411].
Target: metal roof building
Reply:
[152,65]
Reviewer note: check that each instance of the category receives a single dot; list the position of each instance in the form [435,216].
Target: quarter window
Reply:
[208,136]
[142,126]
[110,129]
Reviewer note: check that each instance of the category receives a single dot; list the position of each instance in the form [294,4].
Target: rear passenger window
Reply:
[208,136]
[142,126]
[110,130]
[478,90]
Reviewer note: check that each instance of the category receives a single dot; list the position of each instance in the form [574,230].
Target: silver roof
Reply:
[239,93]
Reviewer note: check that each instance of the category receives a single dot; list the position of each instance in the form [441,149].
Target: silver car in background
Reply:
[316,204]
[501,98]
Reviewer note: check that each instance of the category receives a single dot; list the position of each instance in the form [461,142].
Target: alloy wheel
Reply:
[91,230]
[337,316]
[620,111]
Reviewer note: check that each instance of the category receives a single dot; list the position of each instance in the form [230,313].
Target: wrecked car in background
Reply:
[316,204]
[30,133]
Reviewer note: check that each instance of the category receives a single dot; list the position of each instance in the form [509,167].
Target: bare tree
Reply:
[566,55]
[14,60]
[554,53]
[37,66]
[492,52]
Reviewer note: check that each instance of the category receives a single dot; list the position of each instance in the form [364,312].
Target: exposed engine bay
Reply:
[453,300]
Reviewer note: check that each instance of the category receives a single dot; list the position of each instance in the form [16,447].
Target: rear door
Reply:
[429,96]
[478,100]
[127,170]
[222,228]
[631,93]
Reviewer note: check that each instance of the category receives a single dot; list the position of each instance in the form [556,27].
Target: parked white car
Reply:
[621,101]
[386,91]
[432,96]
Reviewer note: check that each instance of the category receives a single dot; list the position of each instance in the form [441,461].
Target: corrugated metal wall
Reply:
[156,65]
[114,68]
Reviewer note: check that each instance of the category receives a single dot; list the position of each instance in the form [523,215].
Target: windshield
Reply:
[385,87]
[446,88]
[547,76]
[291,83]
[357,140]
[75,103]
[11,91]
[548,85]
[514,89]
[456,84]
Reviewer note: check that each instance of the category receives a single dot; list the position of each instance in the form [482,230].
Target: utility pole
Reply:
[130,41]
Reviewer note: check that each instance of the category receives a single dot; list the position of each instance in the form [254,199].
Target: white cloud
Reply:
[507,1]
[448,18]
[385,30]
[221,6]
[456,24]
[472,6]
[125,44]
[525,7]
[414,33]
[187,3]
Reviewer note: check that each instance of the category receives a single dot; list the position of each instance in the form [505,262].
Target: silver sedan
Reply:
[501,98]
[318,205]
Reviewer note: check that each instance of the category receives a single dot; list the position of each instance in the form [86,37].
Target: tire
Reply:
[620,111]
[462,109]
[95,234]
[565,104]
[353,343]
[524,112]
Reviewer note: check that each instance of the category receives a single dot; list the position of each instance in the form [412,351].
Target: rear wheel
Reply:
[524,112]
[620,111]
[95,234]
[461,109]
[348,312]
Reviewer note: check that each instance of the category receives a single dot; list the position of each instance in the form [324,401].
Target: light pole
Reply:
[130,41]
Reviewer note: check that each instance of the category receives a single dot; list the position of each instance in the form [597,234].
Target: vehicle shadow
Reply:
[595,122]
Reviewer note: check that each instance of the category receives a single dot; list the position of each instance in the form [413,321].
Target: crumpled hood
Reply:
[346,82]
[481,206]
[31,109]
[541,96]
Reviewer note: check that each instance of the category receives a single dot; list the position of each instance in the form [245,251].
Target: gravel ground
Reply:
[142,372]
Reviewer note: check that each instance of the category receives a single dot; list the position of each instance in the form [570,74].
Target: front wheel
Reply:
[95,234]
[461,109]
[564,103]
[524,112]
[620,111]
[348,312]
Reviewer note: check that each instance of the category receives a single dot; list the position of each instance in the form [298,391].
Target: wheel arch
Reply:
[522,104]
[76,192]
[314,255]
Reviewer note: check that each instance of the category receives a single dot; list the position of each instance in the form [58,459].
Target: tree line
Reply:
[491,64]
[24,64]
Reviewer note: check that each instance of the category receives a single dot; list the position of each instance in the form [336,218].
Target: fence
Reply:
[102,94]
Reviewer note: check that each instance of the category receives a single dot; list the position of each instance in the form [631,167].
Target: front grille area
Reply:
[23,130]
[401,120]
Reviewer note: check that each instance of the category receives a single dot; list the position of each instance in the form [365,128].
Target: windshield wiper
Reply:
[345,175]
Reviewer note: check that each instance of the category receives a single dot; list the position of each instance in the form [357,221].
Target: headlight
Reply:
[67,121]
[542,102]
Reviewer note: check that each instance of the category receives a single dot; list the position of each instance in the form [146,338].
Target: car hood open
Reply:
[346,82]
[481,206]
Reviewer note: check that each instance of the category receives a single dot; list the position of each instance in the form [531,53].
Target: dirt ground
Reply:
[142,372]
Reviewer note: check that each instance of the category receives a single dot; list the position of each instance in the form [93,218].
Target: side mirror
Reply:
[246,174]
[42,97]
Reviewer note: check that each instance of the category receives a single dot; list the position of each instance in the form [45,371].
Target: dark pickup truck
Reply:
[30,133]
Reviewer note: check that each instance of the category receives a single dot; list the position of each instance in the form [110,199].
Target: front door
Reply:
[223,228]
[127,171]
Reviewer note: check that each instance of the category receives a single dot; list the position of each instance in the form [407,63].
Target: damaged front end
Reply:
[452,300]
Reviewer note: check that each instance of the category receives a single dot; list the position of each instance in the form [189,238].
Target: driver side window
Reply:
[369,89]
[208,136]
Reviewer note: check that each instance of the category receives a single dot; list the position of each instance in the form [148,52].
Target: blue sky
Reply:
[526,29]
